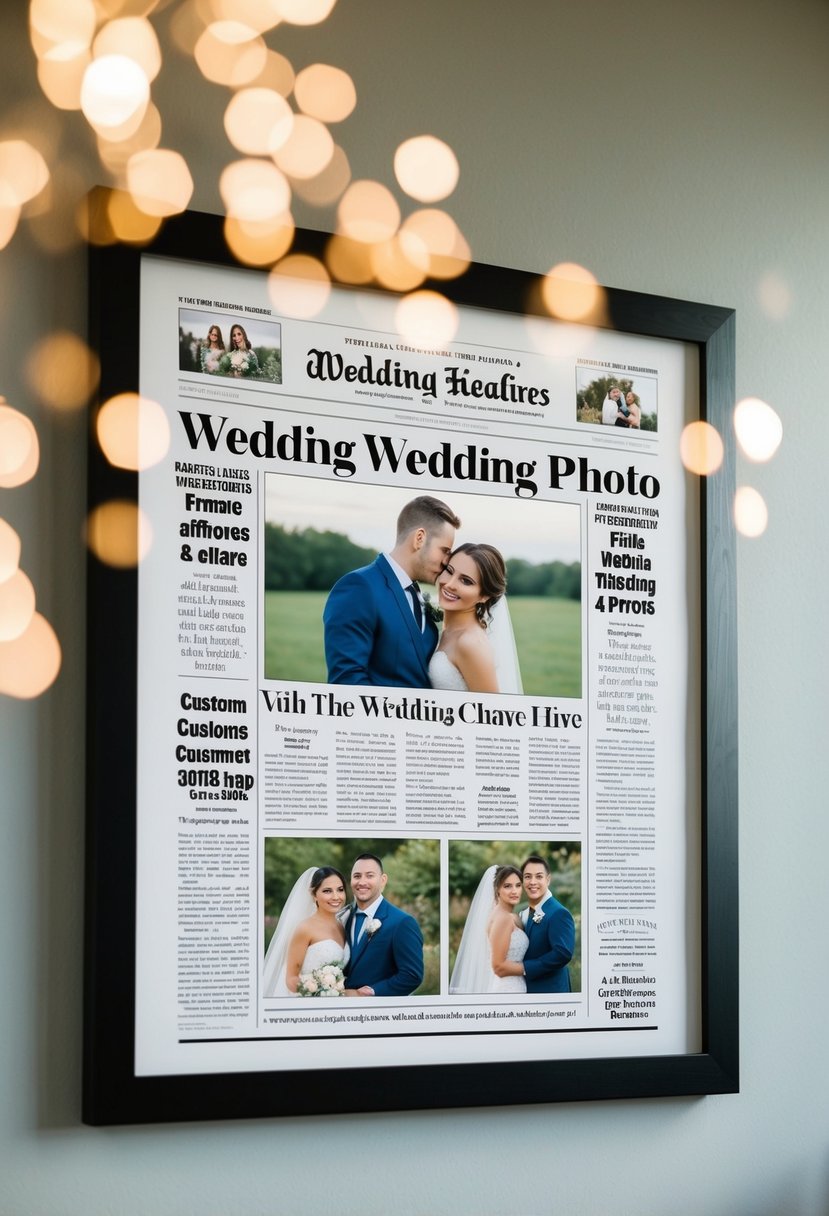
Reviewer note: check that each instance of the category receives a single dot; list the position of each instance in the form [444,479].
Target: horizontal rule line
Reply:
[424,1034]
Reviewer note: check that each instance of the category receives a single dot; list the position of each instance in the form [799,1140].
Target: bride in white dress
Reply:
[476,651]
[309,933]
[493,945]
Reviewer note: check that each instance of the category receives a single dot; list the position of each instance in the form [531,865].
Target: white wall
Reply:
[673,148]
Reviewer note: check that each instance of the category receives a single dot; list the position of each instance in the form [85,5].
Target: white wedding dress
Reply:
[298,907]
[473,966]
[326,951]
[444,674]
[516,950]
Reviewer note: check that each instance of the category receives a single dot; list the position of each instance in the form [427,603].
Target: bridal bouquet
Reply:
[239,361]
[322,981]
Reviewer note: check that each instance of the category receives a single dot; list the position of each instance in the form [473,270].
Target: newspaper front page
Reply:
[290,717]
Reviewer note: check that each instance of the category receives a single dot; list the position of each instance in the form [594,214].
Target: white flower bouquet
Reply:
[328,980]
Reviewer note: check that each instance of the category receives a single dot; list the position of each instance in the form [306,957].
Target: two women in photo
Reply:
[237,359]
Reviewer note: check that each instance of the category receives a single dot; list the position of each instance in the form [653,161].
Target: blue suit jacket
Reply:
[391,960]
[552,942]
[370,632]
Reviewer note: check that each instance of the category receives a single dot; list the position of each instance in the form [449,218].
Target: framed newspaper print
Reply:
[412,734]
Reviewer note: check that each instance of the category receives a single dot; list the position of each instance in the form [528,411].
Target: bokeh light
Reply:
[328,186]
[114,94]
[426,168]
[159,181]
[129,223]
[775,296]
[758,428]
[368,211]
[230,53]
[30,664]
[9,550]
[258,121]
[109,9]
[54,23]
[277,74]
[349,261]
[432,241]
[19,448]
[8,224]
[751,515]
[701,448]
[23,172]
[115,154]
[392,267]
[303,12]
[325,92]
[258,15]
[426,319]
[254,190]
[92,217]
[307,150]
[17,606]
[118,533]
[571,293]
[133,431]
[262,242]
[133,37]
[60,73]
[299,286]
[62,370]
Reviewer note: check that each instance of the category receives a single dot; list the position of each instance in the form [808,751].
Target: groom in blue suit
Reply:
[385,942]
[550,929]
[376,628]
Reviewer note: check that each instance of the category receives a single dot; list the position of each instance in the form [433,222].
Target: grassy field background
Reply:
[547,635]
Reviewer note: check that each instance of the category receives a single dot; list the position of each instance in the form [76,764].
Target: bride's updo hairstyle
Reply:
[319,876]
[501,875]
[492,575]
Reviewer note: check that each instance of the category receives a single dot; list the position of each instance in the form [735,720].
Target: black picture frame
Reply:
[112,1093]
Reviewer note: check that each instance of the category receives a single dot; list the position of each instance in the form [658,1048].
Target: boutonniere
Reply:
[433,613]
[538,916]
[373,926]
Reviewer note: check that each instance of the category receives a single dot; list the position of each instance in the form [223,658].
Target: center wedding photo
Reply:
[372,585]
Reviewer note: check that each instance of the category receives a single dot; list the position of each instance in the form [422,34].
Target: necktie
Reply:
[359,917]
[416,605]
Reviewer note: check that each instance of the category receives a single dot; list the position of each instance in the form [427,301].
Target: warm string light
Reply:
[299,286]
[426,319]
[29,650]
[30,664]
[758,428]
[62,370]
[10,549]
[701,448]
[17,606]
[426,168]
[19,448]
[751,514]
[133,431]
[571,293]
[118,533]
